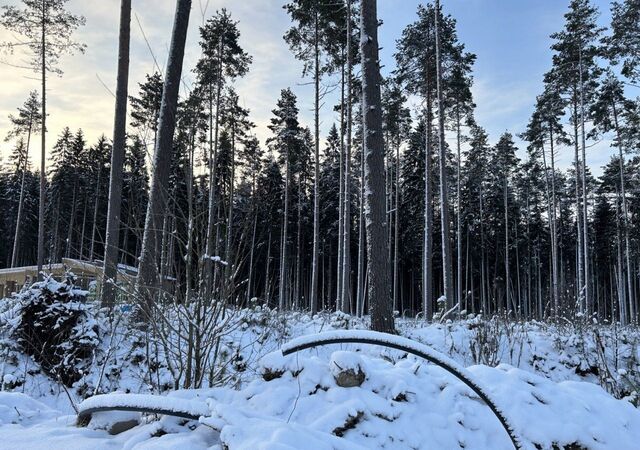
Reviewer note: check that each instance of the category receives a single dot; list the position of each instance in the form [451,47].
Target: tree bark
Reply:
[346,215]
[16,237]
[43,180]
[316,170]
[211,241]
[117,160]
[585,205]
[283,243]
[381,308]
[427,248]
[447,268]
[157,206]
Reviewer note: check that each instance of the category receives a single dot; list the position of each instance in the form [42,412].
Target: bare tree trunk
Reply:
[190,225]
[72,218]
[84,223]
[459,213]
[211,240]
[554,220]
[483,268]
[229,257]
[585,208]
[339,270]
[396,238]
[157,206]
[447,268]
[94,225]
[316,170]
[361,245]
[507,277]
[117,161]
[298,280]
[16,237]
[622,303]
[427,248]
[253,238]
[579,248]
[625,218]
[283,244]
[267,272]
[43,180]
[378,267]
[345,279]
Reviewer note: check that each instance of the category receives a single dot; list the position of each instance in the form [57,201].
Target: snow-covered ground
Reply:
[561,386]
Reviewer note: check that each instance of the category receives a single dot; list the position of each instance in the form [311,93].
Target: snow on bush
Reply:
[54,324]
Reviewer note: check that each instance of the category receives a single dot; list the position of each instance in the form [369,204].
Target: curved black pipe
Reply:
[292,347]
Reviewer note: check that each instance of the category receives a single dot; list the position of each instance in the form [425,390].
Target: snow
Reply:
[343,361]
[542,376]
[146,403]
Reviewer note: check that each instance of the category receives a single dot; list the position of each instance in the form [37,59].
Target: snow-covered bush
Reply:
[55,326]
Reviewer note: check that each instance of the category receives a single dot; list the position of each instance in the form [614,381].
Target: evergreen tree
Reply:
[46,27]
[624,43]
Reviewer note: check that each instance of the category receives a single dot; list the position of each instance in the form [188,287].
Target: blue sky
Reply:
[509,37]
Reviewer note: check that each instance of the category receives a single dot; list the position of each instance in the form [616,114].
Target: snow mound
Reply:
[17,408]
[309,409]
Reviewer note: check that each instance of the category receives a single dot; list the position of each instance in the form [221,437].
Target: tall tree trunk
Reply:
[190,226]
[459,212]
[298,276]
[283,243]
[207,275]
[381,308]
[554,220]
[267,271]
[253,237]
[397,304]
[229,257]
[16,237]
[84,223]
[622,303]
[585,204]
[316,170]
[43,135]
[625,219]
[447,268]
[72,219]
[157,206]
[361,244]
[345,279]
[339,270]
[117,161]
[427,247]
[579,248]
[94,224]
[507,278]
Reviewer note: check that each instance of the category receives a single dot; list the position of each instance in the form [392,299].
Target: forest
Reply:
[406,215]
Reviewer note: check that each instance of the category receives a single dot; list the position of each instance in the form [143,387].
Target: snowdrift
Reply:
[403,402]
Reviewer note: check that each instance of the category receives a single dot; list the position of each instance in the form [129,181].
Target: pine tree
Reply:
[222,60]
[380,306]
[47,28]
[117,159]
[307,40]
[575,72]
[28,121]
[286,141]
[610,112]
[147,271]
[624,43]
